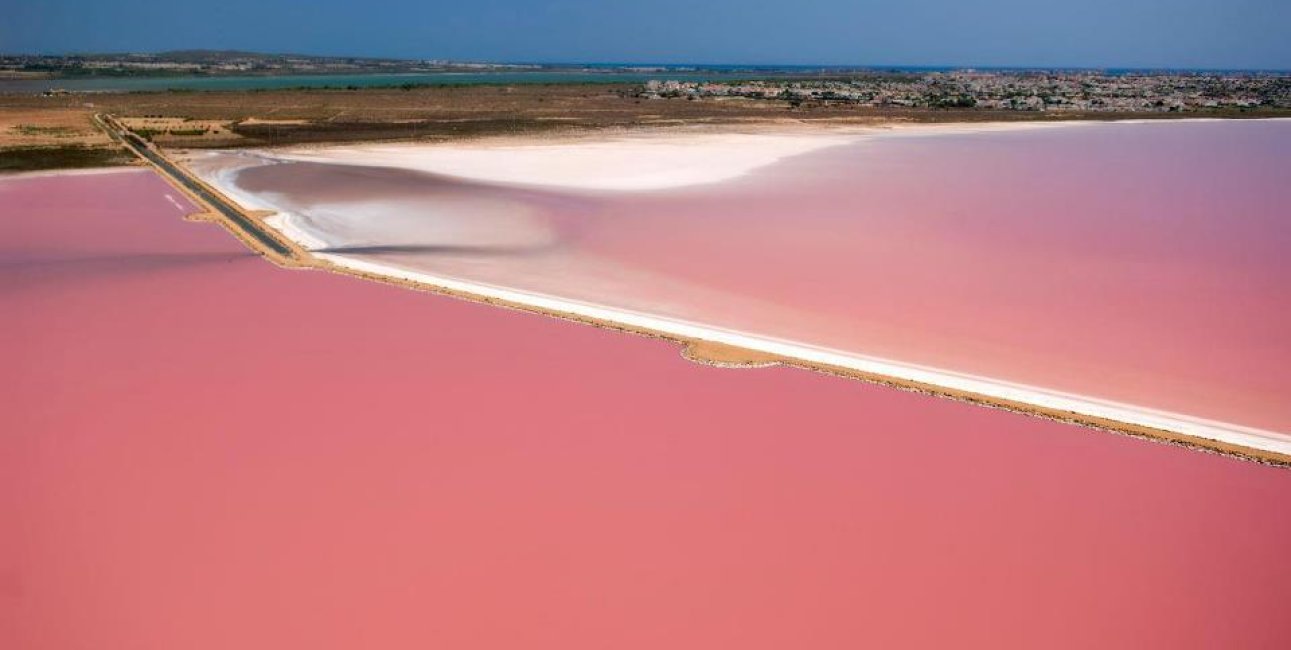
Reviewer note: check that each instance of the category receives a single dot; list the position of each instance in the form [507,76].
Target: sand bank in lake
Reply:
[646,160]
[763,350]
[1127,418]
[631,162]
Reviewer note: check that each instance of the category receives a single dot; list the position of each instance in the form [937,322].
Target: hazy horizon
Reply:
[1144,34]
[671,64]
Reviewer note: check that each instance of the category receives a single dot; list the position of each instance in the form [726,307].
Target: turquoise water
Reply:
[342,81]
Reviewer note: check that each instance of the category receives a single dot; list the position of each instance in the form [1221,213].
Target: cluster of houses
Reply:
[1024,91]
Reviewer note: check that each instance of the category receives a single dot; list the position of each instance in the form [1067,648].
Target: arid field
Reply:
[298,116]
[51,137]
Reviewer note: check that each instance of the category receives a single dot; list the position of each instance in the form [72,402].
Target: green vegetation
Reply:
[962,101]
[147,134]
[56,131]
[19,159]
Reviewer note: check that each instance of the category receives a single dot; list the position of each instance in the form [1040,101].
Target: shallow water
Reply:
[209,453]
[1140,263]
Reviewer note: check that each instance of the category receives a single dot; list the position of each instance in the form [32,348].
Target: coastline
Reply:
[1258,444]
[70,171]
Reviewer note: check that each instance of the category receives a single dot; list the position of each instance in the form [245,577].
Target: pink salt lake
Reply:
[1144,264]
[201,450]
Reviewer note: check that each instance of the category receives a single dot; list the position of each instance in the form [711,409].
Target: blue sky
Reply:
[1102,33]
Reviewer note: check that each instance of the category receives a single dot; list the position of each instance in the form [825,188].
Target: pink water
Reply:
[201,450]
[1140,263]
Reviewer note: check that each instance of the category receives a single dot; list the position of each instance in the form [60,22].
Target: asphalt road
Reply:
[247,225]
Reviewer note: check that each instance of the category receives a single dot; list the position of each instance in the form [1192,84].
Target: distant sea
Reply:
[588,73]
[131,84]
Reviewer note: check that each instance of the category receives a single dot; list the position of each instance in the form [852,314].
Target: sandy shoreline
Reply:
[1267,445]
[88,171]
[626,163]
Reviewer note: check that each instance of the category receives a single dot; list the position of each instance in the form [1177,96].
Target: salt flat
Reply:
[621,163]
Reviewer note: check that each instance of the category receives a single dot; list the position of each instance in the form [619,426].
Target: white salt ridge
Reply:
[1247,437]
[627,163]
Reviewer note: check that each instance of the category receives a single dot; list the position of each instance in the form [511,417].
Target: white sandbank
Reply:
[637,161]
[628,162]
[85,171]
[623,163]
[1248,437]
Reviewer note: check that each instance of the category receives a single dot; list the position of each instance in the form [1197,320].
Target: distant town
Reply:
[1061,91]
[217,99]
[1006,90]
